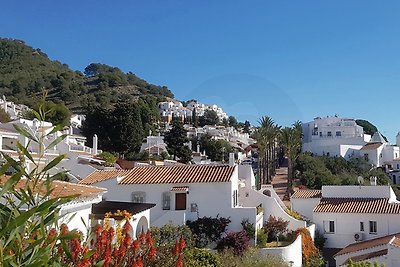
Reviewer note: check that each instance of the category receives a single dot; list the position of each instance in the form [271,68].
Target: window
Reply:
[338,133]
[235,198]
[329,226]
[166,200]
[329,134]
[366,157]
[398,166]
[361,226]
[373,227]
[138,197]
[320,134]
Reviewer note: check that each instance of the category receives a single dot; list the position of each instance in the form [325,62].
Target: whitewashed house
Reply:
[333,136]
[80,160]
[346,214]
[187,192]
[383,250]
[78,210]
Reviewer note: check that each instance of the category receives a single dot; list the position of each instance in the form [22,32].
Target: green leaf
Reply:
[25,151]
[53,163]
[24,132]
[56,141]
[10,183]
[88,254]
[99,264]
[18,221]
[56,129]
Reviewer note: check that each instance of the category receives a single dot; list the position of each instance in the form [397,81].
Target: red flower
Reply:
[179,262]
[182,243]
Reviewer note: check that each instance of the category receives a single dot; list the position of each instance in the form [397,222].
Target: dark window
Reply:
[361,226]
[338,133]
[166,200]
[373,227]
[138,197]
[329,134]
[235,198]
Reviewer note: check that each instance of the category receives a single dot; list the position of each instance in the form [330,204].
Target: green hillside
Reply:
[26,71]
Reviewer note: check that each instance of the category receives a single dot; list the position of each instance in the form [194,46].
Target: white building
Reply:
[80,160]
[187,192]
[348,214]
[77,211]
[379,152]
[154,145]
[383,250]
[333,136]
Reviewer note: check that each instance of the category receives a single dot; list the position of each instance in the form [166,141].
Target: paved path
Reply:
[279,182]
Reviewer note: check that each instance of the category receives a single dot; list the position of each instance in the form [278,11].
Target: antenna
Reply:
[360,180]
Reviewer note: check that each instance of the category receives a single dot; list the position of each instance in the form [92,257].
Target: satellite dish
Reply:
[360,180]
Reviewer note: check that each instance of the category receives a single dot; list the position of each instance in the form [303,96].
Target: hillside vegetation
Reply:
[26,71]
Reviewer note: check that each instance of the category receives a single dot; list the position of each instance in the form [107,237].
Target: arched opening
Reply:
[267,192]
[143,224]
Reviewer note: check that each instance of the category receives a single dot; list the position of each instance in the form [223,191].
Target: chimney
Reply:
[95,144]
[231,159]
[372,180]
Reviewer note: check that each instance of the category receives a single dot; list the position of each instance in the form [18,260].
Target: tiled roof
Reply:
[307,194]
[180,188]
[376,242]
[368,256]
[371,146]
[103,175]
[357,205]
[179,174]
[64,189]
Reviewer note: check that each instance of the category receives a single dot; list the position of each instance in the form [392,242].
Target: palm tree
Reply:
[291,142]
[267,136]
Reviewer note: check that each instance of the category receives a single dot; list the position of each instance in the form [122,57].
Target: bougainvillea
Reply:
[237,241]
[311,254]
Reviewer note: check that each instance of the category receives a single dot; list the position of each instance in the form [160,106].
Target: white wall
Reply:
[291,253]
[212,199]
[75,213]
[304,206]
[343,191]
[252,198]
[347,224]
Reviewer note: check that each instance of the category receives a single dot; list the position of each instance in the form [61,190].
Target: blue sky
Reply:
[291,60]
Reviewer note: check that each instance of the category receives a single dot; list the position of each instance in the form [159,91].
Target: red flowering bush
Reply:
[237,241]
[311,255]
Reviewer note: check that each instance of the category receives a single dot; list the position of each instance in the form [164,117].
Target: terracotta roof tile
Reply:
[307,194]
[64,189]
[180,188]
[179,174]
[368,256]
[371,146]
[357,205]
[103,175]
[376,242]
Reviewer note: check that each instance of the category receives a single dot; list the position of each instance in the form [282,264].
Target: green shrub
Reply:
[108,157]
[169,233]
[196,257]
[262,238]
[208,229]
[251,258]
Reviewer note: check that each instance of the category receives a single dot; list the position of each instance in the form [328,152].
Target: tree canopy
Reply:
[176,140]
[26,71]
[210,117]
